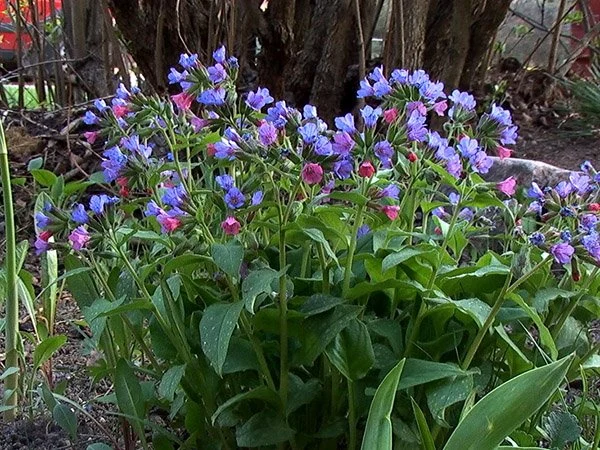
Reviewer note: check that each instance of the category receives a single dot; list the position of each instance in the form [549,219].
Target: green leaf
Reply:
[427,442]
[393,259]
[264,428]
[216,327]
[302,393]
[351,352]
[80,283]
[260,393]
[43,177]
[378,431]
[446,393]
[562,428]
[45,349]
[170,381]
[8,372]
[35,164]
[417,372]
[319,237]
[66,419]
[240,356]
[501,411]
[129,394]
[319,330]
[256,283]
[319,303]
[99,446]
[228,257]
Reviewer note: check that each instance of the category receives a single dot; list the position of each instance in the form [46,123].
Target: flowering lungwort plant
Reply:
[266,271]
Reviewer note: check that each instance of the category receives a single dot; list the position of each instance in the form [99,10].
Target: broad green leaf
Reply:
[35,163]
[321,329]
[501,411]
[263,429]
[543,297]
[319,237]
[170,381]
[66,419]
[446,393]
[43,177]
[256,283]
[473,307]
[319,303]
[99,446]
[562,428]
[8,372]
[216,327]
[393,259]
[473,279]
[378,430]
[80,283]
[417,372]
[45,349]
[240,357]
[260,393]
[302,393]
[182,261]
[228,257]
[351,352]
[427,442]
[129,394]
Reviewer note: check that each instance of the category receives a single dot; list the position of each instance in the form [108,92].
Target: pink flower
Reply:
[391,211]
[168,223]
[366,169]
[312,173]
[503,152]
[440,107]
[45,235]
[231,226]
[123,184]
[91,136]
[79,238]
[119,111]
[183,101]
[412,157]
[198,123]
[507,186]
[390,115]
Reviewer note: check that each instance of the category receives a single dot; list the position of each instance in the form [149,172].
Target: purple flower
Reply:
[79,214]
[370,115]
[508,135]
[363,230]
[177,77]
[123,93]
[232,62]
[591,242]
[366,90]
[226,149]
[90,118]
[453,198]
[41,246]
[346,124]
[587,167]
[225,182]
[462,100]
[381,88]
[99,202]
[535,208]
[562,252]
[257,198]
[563,189]
[384,151]
[188,61]
[431,91]
[416,127]
[113,164]
[152,209]
[535,192]
[481,162]
[212,97]
[100,105]
[79,238]
[234,198]
[500,115]
[257,100]
[42,221]
[217,73]
[416,106]
[174,196]
[580,182]
[454,166]
[267,133]
[468,147]
[588,222]
[309,133]
[219,54]
[466,214]
[342,143]
[537,239]
[400,76]
[323,146]
[439,212]
[134,146]
[418,78]
[279,111]
[343,169]
[390,191]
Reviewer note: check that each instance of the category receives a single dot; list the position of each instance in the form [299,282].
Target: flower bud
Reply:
[366,170]
[412,157]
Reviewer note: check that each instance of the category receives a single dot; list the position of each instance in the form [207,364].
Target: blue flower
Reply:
[454,166]
[535,192]
[226,149]
[219,55]
[257,100]
[566,236]
[384,151]
[589,221]
[234,198]
[323,146]
[431,91]
[591,242]
[382,88]
[217,73]
[343,169]
[508,135]
[42,221]
[174,196]
[231,134]
[90,118]
[500,115]
[114,163]
[363,230]
[468,147]
[390,191]
[370,115]
[416,127]
[481,162]
[535,208]
[463,99]
[563,189]
[278,111]
[99,202]
[537,239]
[100,105]
[152,209]
[257,198]
[267,134]
[418,78]
[366,90]
[232,62]
[309,112]
[176,77]
[400,76]
[466,214]
[123,93]
[346,123]
[454,198]
[133,144]
[581,183]
[79,214]
[188,61]
[212,97]
[225,182]
[309,133]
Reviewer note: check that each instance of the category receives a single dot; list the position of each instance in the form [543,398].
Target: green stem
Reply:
[351,250]
[351,416]
[506,290]
[12,301]
[258,350]
[283,325]
[324,269]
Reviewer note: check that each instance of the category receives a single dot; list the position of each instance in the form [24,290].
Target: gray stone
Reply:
[526,171]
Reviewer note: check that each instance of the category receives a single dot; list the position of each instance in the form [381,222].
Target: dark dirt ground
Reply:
[543,136]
